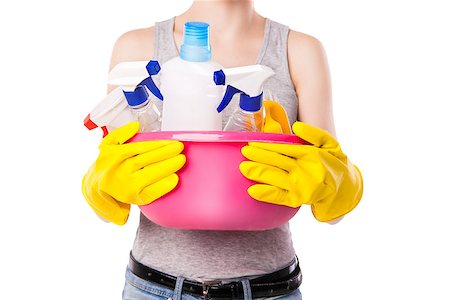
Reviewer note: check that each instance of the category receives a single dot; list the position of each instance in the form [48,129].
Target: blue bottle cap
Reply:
[196,46]
[136,97]
[250,104]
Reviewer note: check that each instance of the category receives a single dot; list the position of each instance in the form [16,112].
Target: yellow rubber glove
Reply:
[134,173]
[319,174]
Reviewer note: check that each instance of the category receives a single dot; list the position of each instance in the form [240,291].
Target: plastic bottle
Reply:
[247,117]
[190,95]
[144,110]
[134,80]
[248,82]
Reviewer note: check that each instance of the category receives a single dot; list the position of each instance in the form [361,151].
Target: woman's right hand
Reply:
[130,173]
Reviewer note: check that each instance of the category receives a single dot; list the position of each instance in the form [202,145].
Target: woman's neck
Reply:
[229,18]
[236,29]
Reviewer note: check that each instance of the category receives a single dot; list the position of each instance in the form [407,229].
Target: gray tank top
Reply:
[207,255]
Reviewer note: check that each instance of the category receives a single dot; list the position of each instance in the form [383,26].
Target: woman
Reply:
[169,263]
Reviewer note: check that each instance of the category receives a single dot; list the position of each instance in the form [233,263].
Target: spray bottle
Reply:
[142,106]
[110,113]
[190,95]
[248,82]
[134,83]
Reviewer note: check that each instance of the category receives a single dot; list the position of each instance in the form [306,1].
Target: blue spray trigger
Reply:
[150,84]
[229,93]
[153,68]
[219,79]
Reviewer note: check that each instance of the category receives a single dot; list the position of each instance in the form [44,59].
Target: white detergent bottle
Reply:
[248,82]
[190,95]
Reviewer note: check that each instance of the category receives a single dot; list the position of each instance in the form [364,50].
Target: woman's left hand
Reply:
[318,174]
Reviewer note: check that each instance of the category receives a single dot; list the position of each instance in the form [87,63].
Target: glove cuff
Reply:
[104,205]
[344,202]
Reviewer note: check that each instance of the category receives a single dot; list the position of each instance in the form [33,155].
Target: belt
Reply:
[278,283]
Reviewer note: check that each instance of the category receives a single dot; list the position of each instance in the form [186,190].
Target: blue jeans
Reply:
[139,289]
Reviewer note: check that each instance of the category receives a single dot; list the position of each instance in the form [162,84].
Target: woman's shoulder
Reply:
[306,54]
[299,42]
[136,44]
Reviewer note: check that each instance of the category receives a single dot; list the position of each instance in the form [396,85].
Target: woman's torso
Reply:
[208,255]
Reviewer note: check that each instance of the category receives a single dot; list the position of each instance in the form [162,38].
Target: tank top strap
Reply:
[164,42]
[274,50]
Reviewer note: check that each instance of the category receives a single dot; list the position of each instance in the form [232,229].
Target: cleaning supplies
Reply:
[248,82]
[135,81]
[190,95]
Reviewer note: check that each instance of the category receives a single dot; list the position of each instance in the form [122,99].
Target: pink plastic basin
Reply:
[212,192]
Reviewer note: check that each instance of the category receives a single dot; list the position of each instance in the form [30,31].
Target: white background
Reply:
[390,67]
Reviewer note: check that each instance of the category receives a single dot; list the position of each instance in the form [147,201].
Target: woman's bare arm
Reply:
[310,75]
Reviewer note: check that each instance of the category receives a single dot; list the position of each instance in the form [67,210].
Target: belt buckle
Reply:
[207,284]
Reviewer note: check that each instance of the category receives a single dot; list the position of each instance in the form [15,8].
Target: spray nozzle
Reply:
[134,80]
[229,93]
[247,81]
